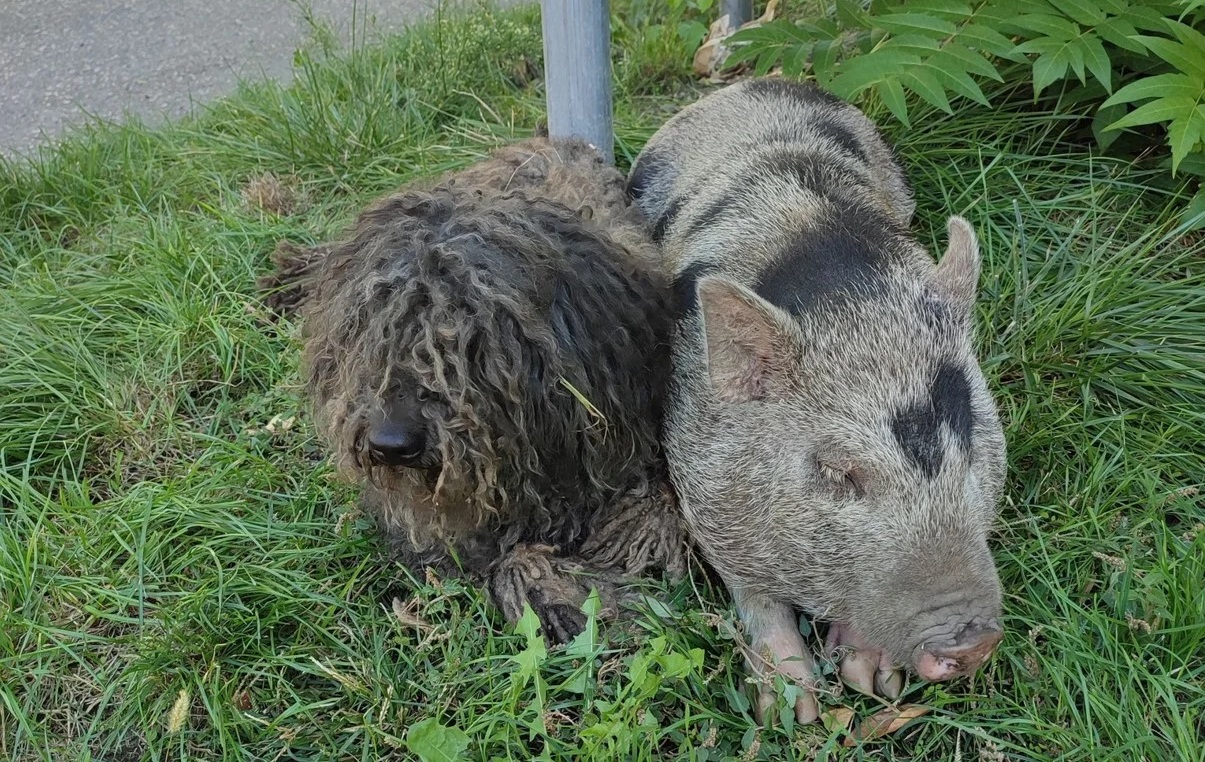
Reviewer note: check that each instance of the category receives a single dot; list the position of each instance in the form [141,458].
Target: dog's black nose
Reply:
[394,445]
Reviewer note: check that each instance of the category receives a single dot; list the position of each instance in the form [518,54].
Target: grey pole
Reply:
[739,11]
[577,71]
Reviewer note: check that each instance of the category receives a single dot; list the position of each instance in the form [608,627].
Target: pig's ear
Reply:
[957,275]
[746,344]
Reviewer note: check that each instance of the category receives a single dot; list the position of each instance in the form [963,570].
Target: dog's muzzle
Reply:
[391,444]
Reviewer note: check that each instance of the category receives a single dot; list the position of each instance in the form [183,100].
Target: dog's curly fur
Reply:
[521,306]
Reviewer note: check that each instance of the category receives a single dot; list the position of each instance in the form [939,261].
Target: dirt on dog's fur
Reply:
[487,356]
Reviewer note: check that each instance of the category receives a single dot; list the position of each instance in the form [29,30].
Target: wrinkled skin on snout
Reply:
[846,463]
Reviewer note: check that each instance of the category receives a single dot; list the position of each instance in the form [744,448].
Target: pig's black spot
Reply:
[841,136]
[803,134]
[780,89]
[952,401]
[937,313]
[653,168]
[918,428]
[724,206]
[842,256]
[662,223]
[686,292]
[811,171]
[649,167]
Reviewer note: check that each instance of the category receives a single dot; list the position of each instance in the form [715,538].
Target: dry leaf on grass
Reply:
[885,723]
[711,55]
[242,701]
[272,194]
[837,718]
[405,614]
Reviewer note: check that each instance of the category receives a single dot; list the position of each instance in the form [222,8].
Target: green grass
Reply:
[180,580]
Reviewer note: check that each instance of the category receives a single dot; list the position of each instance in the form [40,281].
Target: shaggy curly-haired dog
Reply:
[487,357]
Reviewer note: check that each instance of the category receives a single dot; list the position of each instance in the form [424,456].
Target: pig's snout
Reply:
[961,656]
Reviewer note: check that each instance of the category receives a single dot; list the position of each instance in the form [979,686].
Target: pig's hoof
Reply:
[889,683]
[864,668]
[807,710]
[799,670]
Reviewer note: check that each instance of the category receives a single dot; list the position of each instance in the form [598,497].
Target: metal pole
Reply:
[577,71]
[739,11]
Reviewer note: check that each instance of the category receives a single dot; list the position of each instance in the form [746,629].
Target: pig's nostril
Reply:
[969,650]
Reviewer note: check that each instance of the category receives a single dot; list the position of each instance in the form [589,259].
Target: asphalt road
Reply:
[62,59]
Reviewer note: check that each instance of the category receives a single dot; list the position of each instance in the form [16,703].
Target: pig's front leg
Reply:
[777,648]
[863,667]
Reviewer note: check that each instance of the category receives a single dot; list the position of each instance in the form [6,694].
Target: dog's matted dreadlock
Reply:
[487,356]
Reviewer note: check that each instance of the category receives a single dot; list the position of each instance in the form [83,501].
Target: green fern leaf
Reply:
[926,85]
[749,51]
[1047,68]
[1081,11]
[766,33]
[1159,110]
[808,33]
[1194,165]
[1113,7]
[914,23]
[859,73]
[1097,61]
[1193,40]
[795,59]
[1048,25]
[1056,55]
[952,10]
[824,61]
[1043,45]
[779,32]
[851,15]
[767,59]
[1158,86]
[1119,32]
[891,92]
[1075,56]
[1176,54]
[1012,8]
[1146,16]
[970,61]
[826,28]
[913,43]
[961,83]
[1104,116]
[987,39]
[1184,133]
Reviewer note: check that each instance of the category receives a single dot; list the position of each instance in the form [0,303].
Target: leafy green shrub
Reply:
[1144,55]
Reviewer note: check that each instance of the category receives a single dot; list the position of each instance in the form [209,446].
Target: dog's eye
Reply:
[422,394]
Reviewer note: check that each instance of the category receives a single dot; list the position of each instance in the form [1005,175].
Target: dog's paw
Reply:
[561,622]
[555,587]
